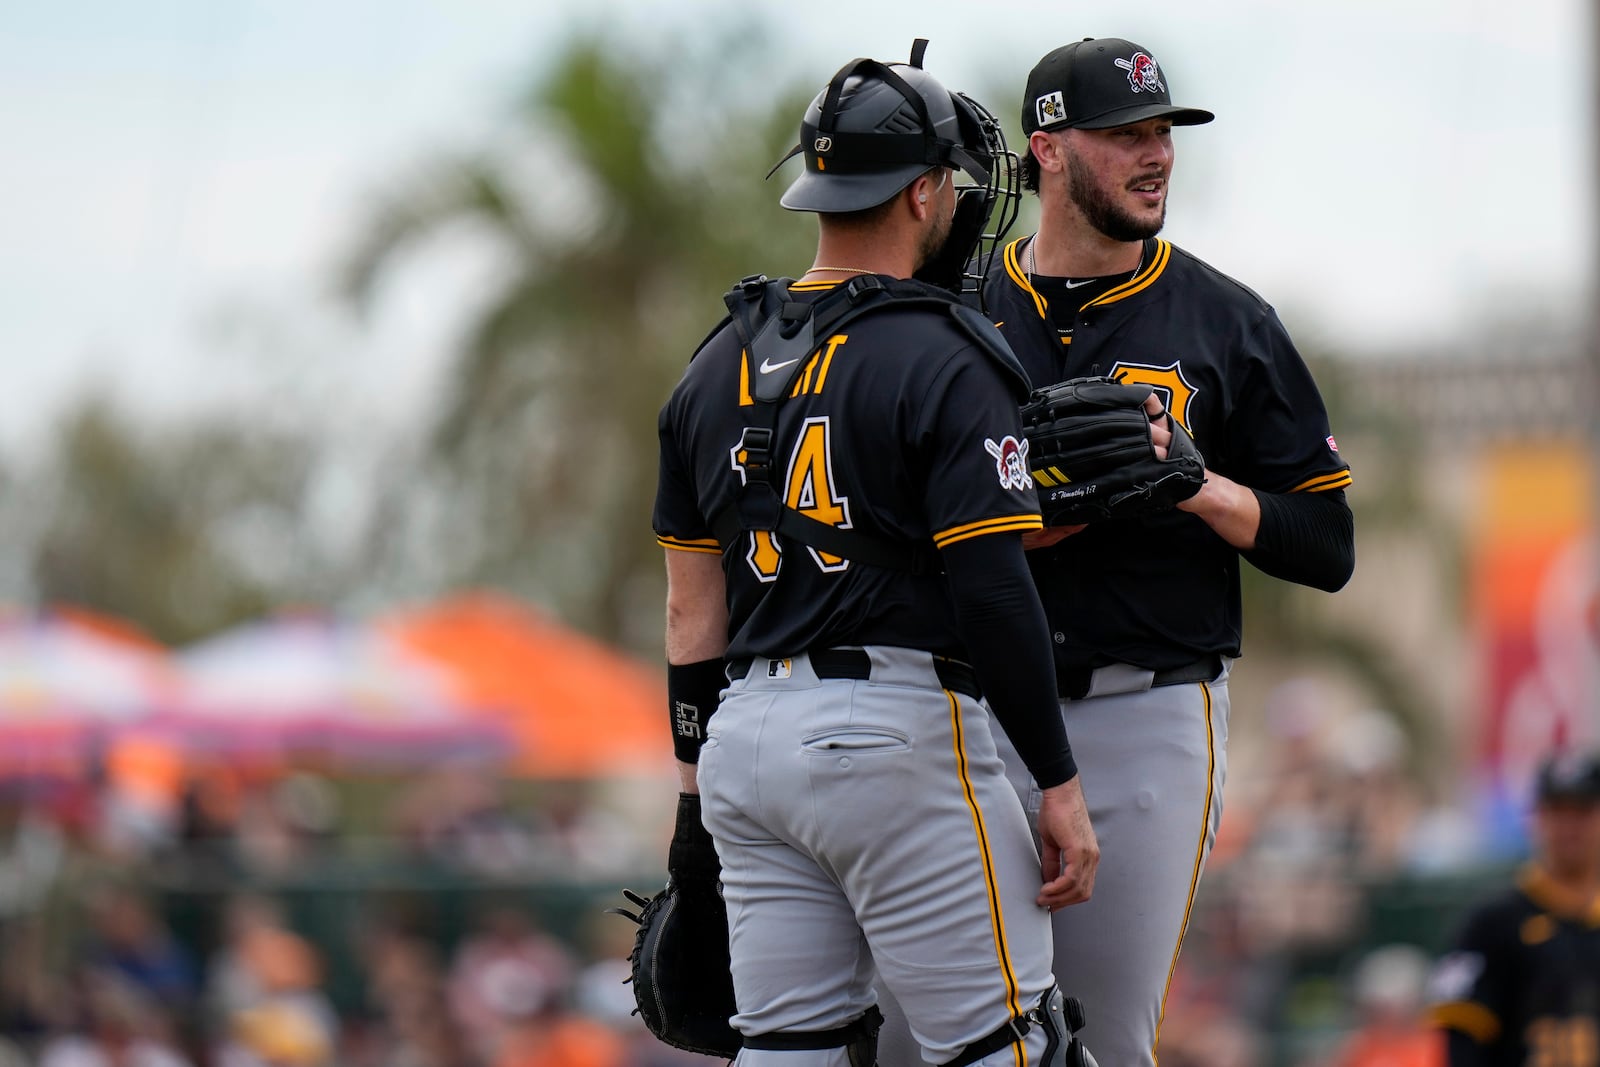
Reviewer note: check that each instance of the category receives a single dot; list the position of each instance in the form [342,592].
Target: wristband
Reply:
[693,690]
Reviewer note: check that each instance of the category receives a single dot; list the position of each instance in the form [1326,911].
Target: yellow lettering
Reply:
[764,556]
[810,488]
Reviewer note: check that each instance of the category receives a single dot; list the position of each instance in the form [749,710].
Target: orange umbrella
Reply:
[71,682]
[577,708]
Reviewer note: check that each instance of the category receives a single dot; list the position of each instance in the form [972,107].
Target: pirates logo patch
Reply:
[1143,74]
[1011,461]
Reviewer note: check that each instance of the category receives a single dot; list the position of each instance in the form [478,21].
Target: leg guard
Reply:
[1060,1018]
[858,1037]
[1064,1018]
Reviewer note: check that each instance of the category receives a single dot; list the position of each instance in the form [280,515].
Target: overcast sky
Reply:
[1384,171]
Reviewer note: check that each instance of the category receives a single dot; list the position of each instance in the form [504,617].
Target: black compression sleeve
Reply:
[1003,626]
[1307,538]
[693,690]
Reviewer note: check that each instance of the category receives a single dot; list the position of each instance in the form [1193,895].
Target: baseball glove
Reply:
[1092,457]
[679,962]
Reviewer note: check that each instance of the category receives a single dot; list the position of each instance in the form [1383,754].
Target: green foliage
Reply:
[185,531]
[625,201]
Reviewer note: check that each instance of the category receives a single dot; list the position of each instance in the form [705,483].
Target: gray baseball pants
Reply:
[1153,762]
[867,829]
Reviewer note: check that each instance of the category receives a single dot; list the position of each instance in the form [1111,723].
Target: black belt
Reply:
[1074,684]
[855,663]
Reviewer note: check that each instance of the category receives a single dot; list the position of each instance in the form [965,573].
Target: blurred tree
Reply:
[185,531]
[625,200]
[1391,505]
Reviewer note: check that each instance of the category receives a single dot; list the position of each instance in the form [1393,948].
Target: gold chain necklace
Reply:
[841,270]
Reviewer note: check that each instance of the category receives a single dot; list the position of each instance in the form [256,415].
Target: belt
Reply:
[1075,684]
[835,663]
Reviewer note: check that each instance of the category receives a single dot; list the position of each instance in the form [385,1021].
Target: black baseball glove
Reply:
[1092,456]
[681,980]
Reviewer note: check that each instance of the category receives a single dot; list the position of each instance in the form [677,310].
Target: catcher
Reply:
[845,583]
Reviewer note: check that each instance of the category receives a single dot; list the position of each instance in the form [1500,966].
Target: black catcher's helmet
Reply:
[877,127]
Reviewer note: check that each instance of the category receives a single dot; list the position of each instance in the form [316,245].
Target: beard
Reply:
[934,238]
[1101,209]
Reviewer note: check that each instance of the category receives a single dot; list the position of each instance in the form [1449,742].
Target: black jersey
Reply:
[901,428]
[1523,979]
[1162,591]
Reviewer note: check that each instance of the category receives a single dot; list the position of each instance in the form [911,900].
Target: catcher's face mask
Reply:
[999,193]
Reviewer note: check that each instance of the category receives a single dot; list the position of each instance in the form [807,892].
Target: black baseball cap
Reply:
[1098,83]
[1569,776]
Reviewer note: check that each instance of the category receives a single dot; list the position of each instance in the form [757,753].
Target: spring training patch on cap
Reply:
[1051,108]
[1143,74]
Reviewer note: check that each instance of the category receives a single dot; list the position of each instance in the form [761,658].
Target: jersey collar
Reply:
[1155,264]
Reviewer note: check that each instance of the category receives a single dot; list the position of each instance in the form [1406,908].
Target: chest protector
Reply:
[782,333]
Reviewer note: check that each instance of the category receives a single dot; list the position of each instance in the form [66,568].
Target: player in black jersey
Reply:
[1521,987]
[842,497]
[1145,614]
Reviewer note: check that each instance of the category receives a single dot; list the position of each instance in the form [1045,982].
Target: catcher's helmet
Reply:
[875,129]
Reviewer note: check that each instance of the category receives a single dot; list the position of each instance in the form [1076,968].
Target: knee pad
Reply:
[1058,1017]
[1062,1018]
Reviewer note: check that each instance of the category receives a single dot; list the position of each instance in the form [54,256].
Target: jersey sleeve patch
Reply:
[1010,460]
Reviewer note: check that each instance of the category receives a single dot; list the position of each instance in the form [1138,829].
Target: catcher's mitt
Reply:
[1092,457]
[681,980]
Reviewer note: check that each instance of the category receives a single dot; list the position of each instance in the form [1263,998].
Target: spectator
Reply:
[501,971]
[1388,991]
[121,1025]
[128,938]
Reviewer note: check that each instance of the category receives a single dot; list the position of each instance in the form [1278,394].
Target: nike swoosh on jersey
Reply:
[767,366]
[1074,285]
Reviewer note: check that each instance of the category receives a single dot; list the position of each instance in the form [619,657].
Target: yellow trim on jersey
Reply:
[815,285]
[1199,863]
[1324,482]
[1014,269]
[704,544]
[996,919]
[987,526]
[1139,282]
[1467,1016]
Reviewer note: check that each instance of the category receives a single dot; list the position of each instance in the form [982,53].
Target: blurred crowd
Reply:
[140,935]
[179,934]
[1284,961]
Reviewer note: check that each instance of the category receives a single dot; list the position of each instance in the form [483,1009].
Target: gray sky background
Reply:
[180,175]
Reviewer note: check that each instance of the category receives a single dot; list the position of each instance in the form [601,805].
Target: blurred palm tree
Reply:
[185,530]
[625,199]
